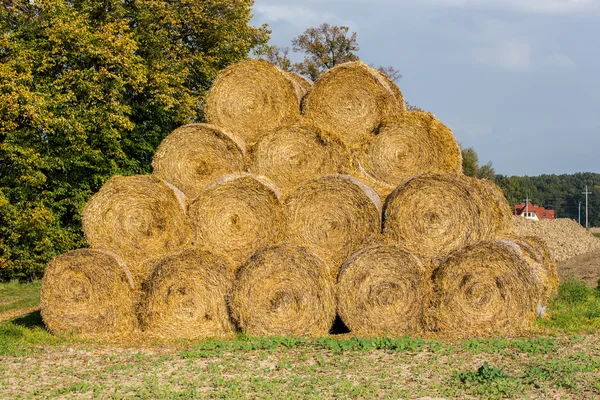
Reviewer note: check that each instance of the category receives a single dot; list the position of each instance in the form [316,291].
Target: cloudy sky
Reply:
[519,80]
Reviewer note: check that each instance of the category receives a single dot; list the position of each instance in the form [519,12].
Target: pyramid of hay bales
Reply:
[296,202]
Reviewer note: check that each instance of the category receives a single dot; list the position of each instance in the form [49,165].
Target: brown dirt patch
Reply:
[584,267]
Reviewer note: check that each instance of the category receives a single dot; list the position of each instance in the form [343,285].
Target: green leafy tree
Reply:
[471,165]
[88,89]
[322,47]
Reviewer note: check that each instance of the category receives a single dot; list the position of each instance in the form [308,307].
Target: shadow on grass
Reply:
[31,320]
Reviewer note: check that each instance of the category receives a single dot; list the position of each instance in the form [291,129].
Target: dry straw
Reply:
[251,98]
[196,154]
[303,84]
[88,292]
[297,153]
[140,218]
[350,100]
[544,270]
[500,214]
[334,216]
[409,144]
[381,291]
[483,289]
[284,290]
[186,296]
[237,215]
[394,89]
[436,214]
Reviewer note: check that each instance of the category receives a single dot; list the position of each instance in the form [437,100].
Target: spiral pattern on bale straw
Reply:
[88,292]
[237,215]
[486,289]
[544,270]
[381,291]
[350,100]
[334,216]
[186,296]
[297,153]
[251,98]
[284,290]
[411,143]
[433,215]
[140,218]
[194,155]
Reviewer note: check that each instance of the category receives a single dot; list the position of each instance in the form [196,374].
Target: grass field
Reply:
[559,359]
[597,235]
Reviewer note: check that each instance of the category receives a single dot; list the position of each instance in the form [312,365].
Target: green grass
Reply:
[574,310]
[597,235]
[15,295]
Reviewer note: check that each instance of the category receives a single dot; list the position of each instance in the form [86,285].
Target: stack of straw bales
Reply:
[294,203]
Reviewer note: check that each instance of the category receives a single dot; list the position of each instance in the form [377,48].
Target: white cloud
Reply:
[527,6]
[296,15]
[511,55]
[559,60]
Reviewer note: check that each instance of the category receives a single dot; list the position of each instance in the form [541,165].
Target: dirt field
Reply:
[585,267]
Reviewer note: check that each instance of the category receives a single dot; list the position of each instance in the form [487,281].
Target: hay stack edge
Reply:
[294,203]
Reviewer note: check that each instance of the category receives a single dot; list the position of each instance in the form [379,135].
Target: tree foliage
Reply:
[88,89]
[471,167]
[322,47]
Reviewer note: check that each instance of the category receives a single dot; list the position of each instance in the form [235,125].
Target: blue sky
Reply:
[519,80]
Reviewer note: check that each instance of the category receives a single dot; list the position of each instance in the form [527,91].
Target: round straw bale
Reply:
[487,288]
[350,100]
[297,153]
[303,84]
[501,217]
[381,291]
[194,155]
[284,290]
[409,144]
[544,270]
[140,218]
[251,98]
[394,89]
[237,215]
[88,292]
[433,215]
[334,216]
[186,296]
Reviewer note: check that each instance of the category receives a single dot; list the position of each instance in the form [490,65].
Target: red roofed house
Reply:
[533,212]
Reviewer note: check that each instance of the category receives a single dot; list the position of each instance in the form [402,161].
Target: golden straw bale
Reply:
[303,84]
[334,216]
[140,218]
[406,145]
[186,296]
[194,155]
[544,270]
[487,288]
[88,292]
[237,215]
[297,153]
[501,216]
[394,89]
[251,98]
[381,291]
[350,100]
[284,290]
[436,214]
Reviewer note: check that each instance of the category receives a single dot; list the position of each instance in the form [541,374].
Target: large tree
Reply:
[322,48]
[88,89]
[471,167]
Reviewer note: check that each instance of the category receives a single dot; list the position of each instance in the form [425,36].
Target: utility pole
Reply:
[527,206]
[586,206]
